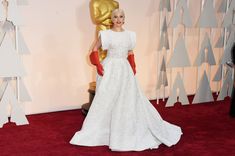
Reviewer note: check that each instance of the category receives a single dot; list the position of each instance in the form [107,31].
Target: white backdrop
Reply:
[59,34]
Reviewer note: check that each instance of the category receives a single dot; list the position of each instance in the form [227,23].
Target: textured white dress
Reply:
[120,116]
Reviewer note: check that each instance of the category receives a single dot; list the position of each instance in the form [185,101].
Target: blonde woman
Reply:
[120,116]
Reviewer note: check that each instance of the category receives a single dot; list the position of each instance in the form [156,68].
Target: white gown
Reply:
[120,116]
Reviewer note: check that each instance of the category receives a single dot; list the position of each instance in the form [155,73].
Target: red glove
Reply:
[94,58]
[131,60]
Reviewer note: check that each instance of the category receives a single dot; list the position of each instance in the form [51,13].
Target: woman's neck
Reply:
[118,29]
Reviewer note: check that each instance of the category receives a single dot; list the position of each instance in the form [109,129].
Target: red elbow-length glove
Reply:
[131,60]
[94,58]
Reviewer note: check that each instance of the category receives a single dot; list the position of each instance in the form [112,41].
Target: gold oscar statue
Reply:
[100,11]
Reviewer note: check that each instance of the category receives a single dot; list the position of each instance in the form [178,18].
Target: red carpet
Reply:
[207,128]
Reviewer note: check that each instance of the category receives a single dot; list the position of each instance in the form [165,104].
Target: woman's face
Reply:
[118,19]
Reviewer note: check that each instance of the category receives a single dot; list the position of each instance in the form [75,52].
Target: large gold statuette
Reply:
[101,11]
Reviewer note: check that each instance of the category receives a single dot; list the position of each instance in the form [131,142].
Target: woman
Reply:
[120,115]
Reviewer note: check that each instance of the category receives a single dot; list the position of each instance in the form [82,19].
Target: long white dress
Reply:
[120,116]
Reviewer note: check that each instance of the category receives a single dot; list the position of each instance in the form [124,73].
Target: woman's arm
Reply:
[94,57]
[97,45]
[131,60]
[130,52]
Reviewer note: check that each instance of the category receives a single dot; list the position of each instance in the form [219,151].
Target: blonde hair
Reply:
[117,10]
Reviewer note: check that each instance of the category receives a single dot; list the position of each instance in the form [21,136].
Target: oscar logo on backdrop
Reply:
[13,92]
[100,11]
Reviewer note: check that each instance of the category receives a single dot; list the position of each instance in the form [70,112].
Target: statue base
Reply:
[91,91]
